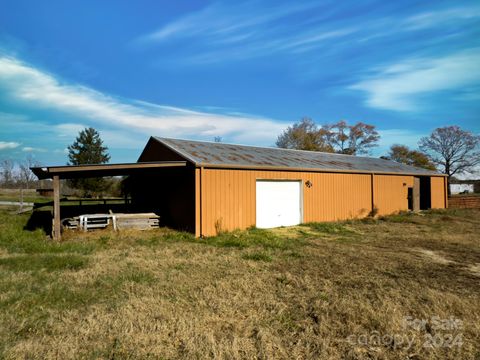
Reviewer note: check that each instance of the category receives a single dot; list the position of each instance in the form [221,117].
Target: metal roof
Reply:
[213,154]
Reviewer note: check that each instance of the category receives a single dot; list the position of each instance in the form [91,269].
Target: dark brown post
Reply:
[56,208]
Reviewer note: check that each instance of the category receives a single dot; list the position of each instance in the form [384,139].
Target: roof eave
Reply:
[287,168]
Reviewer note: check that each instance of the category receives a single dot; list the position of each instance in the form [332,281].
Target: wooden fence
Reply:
[464,202]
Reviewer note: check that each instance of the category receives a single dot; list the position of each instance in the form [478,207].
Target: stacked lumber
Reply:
[139,221]
[71,223]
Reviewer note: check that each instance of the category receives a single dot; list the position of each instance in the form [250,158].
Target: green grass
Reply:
[257,256]
[14,239]
[47,262]
[253,237]
[291,292]
[337,228]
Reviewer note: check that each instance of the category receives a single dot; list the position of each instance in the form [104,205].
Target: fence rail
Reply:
[81,202]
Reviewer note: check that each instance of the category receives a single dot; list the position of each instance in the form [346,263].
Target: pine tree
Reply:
[88,149]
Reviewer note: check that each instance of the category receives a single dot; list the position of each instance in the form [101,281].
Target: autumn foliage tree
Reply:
[88,149]
[339,137]
[352,139]
[304,135]
[402,154]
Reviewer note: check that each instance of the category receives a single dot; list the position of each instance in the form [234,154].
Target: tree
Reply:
[455,150]
[8,174]
[26,176]
[351,139]
[402,154]
[304,135]
[88,149]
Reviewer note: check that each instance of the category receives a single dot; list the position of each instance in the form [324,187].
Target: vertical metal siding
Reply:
[437,186]
[390,193]
[228,198]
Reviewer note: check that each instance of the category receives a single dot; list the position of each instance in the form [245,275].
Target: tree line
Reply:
[448,149]
[18,174]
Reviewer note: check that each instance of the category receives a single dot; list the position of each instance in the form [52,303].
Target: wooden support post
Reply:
[416,194]
[56,208]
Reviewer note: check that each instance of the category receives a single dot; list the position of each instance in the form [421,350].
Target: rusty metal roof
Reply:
[214,154]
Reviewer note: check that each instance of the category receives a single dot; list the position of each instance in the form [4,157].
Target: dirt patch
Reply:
[474,269]
[434,256]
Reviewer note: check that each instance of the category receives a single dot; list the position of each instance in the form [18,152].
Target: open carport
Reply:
[158,173]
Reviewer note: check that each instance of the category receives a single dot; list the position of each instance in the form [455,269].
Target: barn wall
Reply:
[228,197]
[437,185]
[390,193]
[154,151]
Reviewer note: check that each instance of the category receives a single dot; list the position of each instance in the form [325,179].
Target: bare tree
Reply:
[304,135]
[352,139]
[26,175]
[8,175]
[454,150]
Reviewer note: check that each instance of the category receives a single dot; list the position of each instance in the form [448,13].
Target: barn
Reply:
[209,187]
[227,187]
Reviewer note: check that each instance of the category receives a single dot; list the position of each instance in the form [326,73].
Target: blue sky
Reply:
[240,70]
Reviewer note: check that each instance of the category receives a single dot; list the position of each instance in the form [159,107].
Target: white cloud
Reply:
[33,149]
[441,17]
[398,86]
[5,145]
[247,30]
[34,87]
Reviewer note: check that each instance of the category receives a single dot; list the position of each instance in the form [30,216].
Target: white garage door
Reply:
[278,203]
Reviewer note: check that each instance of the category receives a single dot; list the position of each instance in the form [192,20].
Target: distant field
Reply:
[366,289]
[29,195]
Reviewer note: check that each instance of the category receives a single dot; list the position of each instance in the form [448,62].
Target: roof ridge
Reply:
[181,146]
[268,147]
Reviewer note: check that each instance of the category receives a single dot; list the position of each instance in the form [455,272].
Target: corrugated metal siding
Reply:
[228,197]
[437,186]
[390,195]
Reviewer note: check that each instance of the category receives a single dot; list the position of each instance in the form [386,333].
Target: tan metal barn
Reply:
[227,187]
[206,187]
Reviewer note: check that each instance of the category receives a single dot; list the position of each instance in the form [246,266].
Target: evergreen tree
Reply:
[88,149]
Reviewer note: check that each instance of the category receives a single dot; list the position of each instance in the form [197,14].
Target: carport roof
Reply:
[84,171]
[213,154]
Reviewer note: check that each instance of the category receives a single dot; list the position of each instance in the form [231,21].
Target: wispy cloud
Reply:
[247,30]
[235,21]
[441,17]
[399,86]
[4,145]
[33,149]
[235,31]
[29,85]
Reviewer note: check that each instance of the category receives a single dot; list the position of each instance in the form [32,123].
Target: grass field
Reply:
[354,290]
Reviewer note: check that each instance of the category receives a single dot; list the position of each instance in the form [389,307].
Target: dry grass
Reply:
[304,292]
